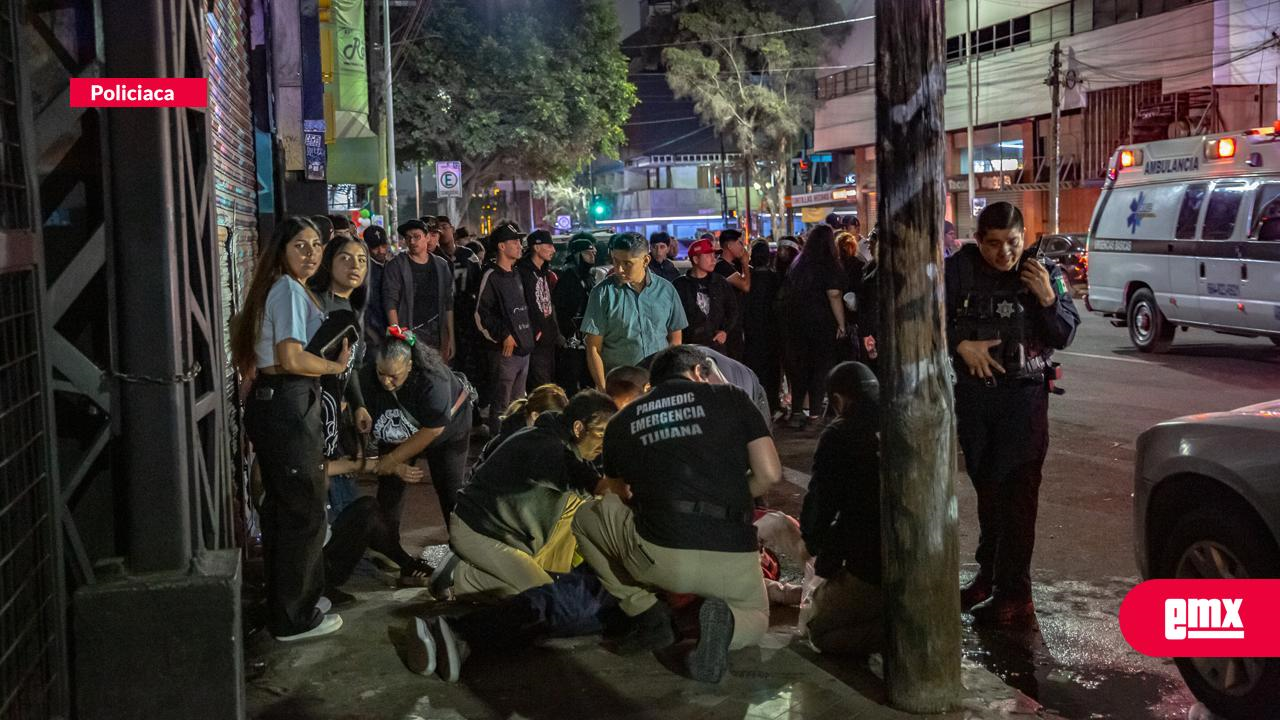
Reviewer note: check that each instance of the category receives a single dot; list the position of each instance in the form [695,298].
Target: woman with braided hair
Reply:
[419,408]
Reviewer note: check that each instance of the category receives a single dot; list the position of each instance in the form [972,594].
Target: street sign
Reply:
[448,178]
[564,222]
[820,157]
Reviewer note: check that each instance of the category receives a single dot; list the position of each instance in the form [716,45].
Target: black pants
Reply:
[765,361]
[809,360]
[1004,432]
[360,526]
[571,370]
[542,366]
[282,417]
[448,465]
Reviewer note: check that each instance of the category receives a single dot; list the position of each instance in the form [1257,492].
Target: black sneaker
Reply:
[340,598]
[709,660]
[441,585]
[650,630]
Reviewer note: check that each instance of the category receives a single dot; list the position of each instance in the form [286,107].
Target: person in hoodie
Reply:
[661,247]
[569,297]
[502,317]
[511,527]
[840,520]
[707,298]
[538,278]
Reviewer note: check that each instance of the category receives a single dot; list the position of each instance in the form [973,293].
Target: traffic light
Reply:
[600,208]
[718,188]
[805,168]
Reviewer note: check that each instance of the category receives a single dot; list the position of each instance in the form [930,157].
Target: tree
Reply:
[918,501]
[534,91]
[564,197]
[751,82]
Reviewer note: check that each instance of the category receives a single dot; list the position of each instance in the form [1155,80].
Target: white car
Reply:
[1207,505]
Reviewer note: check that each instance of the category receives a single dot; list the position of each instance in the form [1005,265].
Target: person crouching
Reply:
[510,528]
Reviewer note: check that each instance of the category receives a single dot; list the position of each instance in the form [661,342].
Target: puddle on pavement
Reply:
[1076,664]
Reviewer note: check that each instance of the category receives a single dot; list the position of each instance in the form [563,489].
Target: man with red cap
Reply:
[707,298]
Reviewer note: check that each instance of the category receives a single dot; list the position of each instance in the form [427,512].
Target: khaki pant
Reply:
[629,567]
[846,616]
[491,567]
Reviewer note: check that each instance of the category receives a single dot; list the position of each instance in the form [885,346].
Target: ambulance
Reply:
[1187,234]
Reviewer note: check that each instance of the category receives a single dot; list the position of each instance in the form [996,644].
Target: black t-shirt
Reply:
[426,400]
[806,307]
[426,297]
[687,442]
[725,269]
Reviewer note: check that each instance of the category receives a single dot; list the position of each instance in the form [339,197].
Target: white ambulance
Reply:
[1187,234]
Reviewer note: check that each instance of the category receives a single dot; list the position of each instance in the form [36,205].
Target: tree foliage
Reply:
[531,90]
[755,89]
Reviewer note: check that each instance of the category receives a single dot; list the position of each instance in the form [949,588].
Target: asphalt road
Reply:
[1078,665]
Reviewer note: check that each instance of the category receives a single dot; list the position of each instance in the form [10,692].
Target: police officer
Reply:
[1007,312]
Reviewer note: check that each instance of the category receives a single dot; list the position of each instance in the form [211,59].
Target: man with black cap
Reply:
[535,273]
[375,313]
[417,288]
[502,317]
[707,298]
[735,267]
[569,297]
[661,247]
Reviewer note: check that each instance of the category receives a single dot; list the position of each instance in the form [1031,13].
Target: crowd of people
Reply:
[623,414]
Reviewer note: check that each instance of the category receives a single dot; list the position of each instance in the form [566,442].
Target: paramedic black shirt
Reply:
[687,442]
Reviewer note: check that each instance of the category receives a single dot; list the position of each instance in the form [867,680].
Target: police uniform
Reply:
[1003,423]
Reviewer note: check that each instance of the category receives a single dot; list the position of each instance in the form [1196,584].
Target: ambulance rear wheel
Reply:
[1149,330]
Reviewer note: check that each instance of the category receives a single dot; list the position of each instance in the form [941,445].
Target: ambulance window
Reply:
[1266,222]
[1190,212]
[1224,207]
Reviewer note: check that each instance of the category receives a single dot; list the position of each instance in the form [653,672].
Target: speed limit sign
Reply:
[448,178]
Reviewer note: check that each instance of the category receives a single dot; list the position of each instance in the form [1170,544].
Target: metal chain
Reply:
[185,377]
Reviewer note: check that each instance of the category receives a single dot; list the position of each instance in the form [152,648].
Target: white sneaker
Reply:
[327,626]
[452,650]
[420,653]
[324,605]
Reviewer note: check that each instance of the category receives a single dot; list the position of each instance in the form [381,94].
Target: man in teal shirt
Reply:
[632,313]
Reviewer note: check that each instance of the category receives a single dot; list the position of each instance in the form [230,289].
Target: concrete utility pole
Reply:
[968,68]
[918,503]
[1054,81]
[392,222]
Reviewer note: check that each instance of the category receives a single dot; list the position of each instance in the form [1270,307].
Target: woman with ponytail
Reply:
[419,408]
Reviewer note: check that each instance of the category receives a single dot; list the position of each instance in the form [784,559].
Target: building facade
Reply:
[1132,71]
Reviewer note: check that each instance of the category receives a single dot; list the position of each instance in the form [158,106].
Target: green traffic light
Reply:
[598,210]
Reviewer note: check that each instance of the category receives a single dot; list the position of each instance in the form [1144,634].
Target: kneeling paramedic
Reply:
[682,453]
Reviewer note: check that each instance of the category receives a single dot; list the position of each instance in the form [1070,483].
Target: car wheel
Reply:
[1212,544]
[1275,341]
[1149,330]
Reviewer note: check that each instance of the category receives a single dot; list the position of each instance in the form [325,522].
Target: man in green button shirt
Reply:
[632,313]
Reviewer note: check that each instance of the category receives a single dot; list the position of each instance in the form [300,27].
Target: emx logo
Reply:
[1203,618]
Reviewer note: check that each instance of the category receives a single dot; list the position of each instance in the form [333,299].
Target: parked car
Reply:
[1207,505]
[1070,252]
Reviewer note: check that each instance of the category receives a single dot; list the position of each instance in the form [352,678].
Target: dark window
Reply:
[955,48]
[1224,207]
[1190,212]
[1020,29]
[1266,221]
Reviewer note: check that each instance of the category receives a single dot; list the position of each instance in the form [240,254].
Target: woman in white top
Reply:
[282,417]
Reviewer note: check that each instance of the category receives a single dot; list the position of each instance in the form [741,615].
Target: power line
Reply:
[819,26]
[659,122]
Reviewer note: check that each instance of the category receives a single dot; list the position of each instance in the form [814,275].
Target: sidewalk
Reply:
[358,673]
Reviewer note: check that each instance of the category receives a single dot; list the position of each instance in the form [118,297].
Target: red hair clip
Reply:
[403,334]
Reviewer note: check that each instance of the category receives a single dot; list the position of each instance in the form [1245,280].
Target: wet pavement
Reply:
[1076,666]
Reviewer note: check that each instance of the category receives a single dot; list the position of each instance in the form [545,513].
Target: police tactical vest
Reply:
[999,313]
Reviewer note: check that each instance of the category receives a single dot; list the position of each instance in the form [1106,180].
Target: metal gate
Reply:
[33,677]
